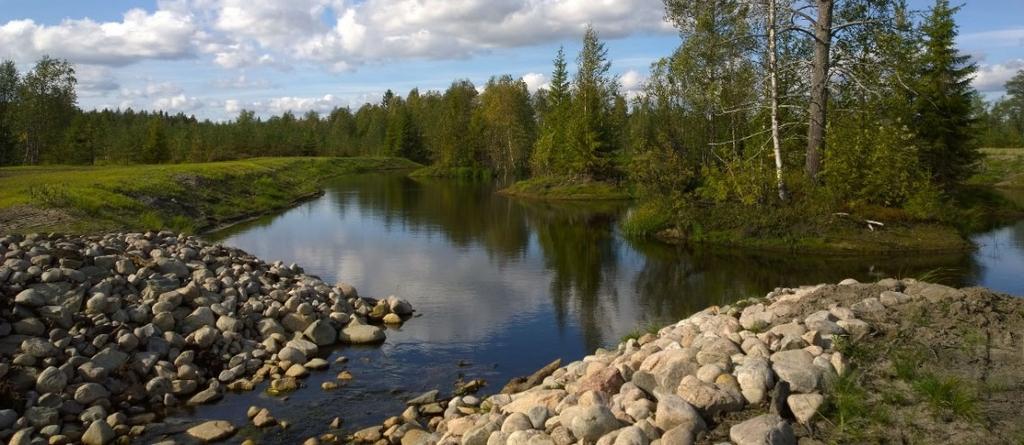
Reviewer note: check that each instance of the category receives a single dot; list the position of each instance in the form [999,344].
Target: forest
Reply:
[837,104]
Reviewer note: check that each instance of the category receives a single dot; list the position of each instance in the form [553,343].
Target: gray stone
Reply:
[7,418]
[30,298]
[90,392]
[110,358]
[766,429]
[591,422]
[292,355]
[516,422]
[321,333]
[51,380]
[212,431]
[797,368]
[361,334]
[674,412]
[805,406]
[99,433]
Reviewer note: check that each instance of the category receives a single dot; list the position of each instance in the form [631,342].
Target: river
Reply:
[503,286]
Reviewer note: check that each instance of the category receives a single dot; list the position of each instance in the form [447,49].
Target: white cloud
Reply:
[632,83]
[241,82]
[339,35]
[993,77]
[140,35]
[178,103]
[95,81]
[536,81]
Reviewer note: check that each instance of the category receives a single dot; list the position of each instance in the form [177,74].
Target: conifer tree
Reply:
[943,111]
[548,153]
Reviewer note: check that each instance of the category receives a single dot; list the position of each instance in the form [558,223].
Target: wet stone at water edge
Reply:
[101,336]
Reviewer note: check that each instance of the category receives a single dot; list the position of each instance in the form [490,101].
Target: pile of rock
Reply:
[100,335]
[757,369]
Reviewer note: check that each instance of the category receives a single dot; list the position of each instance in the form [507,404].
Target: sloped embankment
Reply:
[888,362]
[184,197]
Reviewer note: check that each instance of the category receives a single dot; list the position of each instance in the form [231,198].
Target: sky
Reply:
[213,58]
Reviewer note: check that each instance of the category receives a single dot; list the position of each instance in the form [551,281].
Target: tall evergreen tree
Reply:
[943,123]
[593,139]
[8,97]
[548,152]
[154,147]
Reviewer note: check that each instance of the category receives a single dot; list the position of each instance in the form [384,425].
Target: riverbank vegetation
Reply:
[188,197]
[773,122]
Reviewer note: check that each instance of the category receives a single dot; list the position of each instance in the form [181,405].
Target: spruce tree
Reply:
[943,121]
[548,152]
[593,138]
[8,95]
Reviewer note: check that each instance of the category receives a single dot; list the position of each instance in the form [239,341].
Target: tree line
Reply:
[864,99]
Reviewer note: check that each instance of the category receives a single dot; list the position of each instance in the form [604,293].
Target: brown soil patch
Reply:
[22,217]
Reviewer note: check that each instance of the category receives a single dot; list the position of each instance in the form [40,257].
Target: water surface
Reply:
[503,286]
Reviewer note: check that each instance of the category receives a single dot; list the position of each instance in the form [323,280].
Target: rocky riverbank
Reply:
[101,336]
[898,361]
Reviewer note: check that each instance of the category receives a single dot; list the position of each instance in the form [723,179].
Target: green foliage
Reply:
[562,188]
[646,219]
[947,395]
[509,128]
[944,102]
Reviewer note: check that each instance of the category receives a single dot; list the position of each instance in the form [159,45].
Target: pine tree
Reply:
[593,137]
[943,123]
[551,140]
[154,147]
[8,96]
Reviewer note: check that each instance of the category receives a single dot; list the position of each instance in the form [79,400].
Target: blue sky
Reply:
[212,58]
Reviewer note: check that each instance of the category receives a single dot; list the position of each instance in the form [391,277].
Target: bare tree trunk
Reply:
[818,110]
[773,70]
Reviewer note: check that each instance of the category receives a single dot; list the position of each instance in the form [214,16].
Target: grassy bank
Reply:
[437,171]
[1001,167]
[183,197]
[812,227]
[555,188]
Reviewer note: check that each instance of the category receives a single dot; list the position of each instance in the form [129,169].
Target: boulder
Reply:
[361,334]
[99,433]
[766,429]
[797,368]
[212,431]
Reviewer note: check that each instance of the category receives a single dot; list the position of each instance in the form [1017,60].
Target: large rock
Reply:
[212,431]
[202,316]
[356,333]
[51,380]
[797,368]
[674,412]
[109,359]
[766,429]
[99,433]
[523,402]
[321,333]
[708,398]
[805,406]
[667,368]
[606,380]
[755,378]
[30,298]
[589,423]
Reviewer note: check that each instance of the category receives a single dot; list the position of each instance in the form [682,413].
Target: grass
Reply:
[437,171]
[635,334]
[947,395]
[558,188]
[184,197]
[1001,167]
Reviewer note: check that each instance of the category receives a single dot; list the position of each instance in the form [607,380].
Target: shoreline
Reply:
[104,336]
[818,364]
[194,198]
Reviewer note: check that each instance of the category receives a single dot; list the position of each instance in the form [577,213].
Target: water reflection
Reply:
[511,284]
